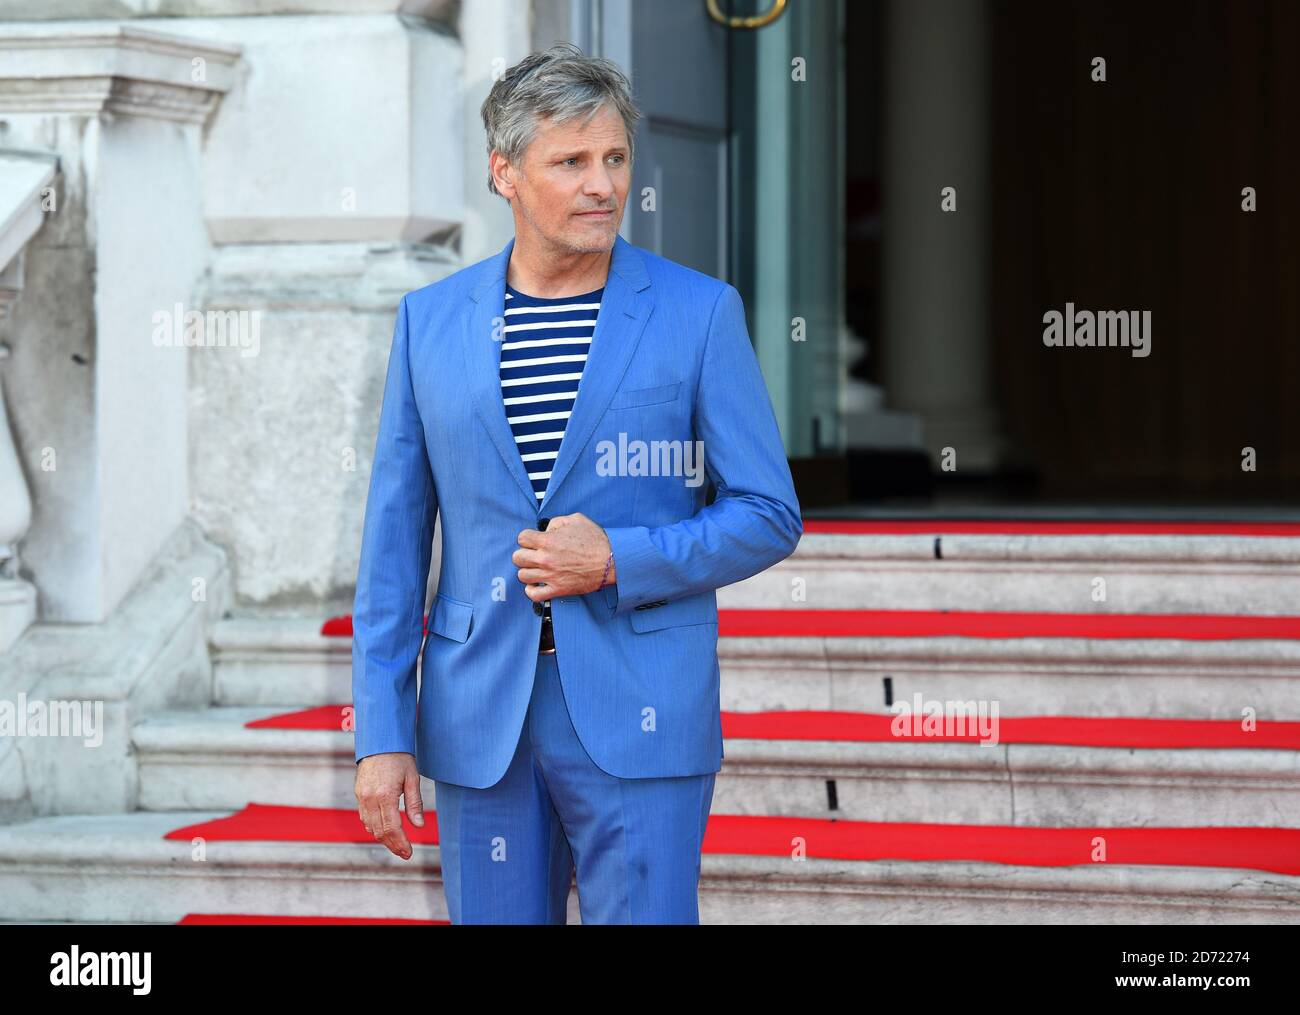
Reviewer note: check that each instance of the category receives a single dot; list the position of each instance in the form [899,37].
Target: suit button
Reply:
[541,527]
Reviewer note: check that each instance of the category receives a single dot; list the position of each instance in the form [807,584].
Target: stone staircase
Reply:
[199,765]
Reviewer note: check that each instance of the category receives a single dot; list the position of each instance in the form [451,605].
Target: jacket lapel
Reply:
[624,310]
[481,336]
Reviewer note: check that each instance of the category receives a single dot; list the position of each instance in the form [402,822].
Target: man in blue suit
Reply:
[561,403]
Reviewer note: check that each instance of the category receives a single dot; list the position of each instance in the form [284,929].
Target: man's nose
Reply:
[600,186]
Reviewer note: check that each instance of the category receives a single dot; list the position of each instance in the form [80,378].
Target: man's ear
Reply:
[502,175]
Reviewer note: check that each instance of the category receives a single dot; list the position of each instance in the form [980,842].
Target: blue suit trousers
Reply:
[509,851]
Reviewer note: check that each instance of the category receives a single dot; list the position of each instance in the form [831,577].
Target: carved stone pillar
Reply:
[936,262]
[98,411]
[24,181]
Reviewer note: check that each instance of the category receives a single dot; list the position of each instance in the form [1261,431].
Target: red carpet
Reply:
[798,623]
[1267,849]
[959,623]
[341,627]
[864,727]
[1069,730]
[273,823]
[228,919]
[323,717]
[954,526]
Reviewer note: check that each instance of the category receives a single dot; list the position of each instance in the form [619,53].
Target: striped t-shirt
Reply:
[543,352]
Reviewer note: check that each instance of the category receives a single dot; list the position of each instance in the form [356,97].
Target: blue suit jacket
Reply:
[670,360]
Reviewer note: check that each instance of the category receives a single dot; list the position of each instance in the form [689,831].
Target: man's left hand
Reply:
[569,557]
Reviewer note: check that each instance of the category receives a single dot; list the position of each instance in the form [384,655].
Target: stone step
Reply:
[278,661]
[211,760]
[289,663]
[120,868]
[1244,569]
[1141,677]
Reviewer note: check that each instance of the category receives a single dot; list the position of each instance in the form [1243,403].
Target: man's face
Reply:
[570,171]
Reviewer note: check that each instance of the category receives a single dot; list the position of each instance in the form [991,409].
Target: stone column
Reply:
[333,184]
[98,411]
[936,263]
[232,366]
[25,179]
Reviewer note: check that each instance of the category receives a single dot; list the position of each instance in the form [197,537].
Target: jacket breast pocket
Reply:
[701,609]
[630,398]
[451,617]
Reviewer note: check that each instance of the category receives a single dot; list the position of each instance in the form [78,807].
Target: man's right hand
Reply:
[381,780]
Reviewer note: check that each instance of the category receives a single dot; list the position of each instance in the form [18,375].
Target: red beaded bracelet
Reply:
[605,576]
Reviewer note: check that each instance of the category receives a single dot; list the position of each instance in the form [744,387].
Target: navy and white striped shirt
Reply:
[543,353]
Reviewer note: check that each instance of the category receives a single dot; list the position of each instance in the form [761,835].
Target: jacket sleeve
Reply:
[754,521]
[396,542]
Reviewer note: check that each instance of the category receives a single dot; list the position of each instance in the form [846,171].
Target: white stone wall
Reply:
[332,185]
[98,412]
[340,166]
[281,442]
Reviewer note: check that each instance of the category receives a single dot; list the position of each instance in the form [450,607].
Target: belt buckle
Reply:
[546,643]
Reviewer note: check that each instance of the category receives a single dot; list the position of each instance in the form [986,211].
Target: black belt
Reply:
[546,644]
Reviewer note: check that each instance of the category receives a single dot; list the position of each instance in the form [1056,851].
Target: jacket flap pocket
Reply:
[644,396]
[701,609]
[451,617]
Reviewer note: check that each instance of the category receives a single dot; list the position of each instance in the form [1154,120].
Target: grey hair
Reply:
[560,83]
